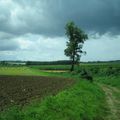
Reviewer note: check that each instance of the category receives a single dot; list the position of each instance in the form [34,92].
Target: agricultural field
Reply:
[22,70]
[20,90]
[82,65]
[50,92]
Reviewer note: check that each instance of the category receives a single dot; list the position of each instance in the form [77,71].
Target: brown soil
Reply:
[20,90]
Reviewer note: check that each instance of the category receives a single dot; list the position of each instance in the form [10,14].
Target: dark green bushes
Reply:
[103,71]
[86,75]
[113,71]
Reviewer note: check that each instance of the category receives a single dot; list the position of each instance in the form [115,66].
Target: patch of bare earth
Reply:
[20,90]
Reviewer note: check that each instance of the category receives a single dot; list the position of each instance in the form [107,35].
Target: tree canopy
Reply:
[76,38]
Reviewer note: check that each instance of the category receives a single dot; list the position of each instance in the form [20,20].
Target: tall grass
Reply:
[109,80]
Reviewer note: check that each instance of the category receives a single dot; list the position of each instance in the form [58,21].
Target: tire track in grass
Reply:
[112,101]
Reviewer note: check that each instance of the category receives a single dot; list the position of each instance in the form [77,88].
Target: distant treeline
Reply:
[9,63]
[111,61]
[62,62]
[3,63]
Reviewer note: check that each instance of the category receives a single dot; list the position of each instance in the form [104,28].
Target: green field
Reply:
[81,101]
[19,71]
[82,65]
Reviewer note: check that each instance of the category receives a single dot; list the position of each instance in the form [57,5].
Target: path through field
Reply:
[113,100]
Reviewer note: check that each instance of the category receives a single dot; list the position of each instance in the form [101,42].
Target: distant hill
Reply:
[60,62]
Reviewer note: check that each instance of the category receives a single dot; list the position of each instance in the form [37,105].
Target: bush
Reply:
[86,75]
[95,70]
[113,71]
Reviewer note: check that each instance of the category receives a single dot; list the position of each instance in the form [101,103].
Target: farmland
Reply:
[19,90]
[52,92]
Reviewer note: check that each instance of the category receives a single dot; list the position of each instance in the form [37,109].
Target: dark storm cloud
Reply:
[8,45]
[49,17]
[6,36]
[7,42]
[29,27]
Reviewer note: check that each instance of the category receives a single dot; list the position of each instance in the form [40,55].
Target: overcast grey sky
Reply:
[34,29]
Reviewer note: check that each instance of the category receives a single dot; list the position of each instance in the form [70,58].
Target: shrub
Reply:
[112,71]
[94,70]
[86,75]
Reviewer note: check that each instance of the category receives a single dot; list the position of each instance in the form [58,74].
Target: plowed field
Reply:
[21,90]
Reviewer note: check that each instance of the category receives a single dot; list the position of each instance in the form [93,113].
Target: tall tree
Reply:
[76,40]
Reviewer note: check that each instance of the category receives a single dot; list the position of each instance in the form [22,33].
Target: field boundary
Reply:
[111,100]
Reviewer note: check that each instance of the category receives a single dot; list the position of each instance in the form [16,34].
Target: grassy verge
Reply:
[109,80]
[84,101]
[117,102]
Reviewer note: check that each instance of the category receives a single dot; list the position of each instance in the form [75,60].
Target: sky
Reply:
[35,29]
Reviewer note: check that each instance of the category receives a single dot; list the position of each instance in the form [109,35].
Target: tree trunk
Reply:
[72,67]
[73,62]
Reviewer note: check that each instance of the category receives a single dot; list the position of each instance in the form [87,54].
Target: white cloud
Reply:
[102,47]
[36,47]
[34,29]
[39,47]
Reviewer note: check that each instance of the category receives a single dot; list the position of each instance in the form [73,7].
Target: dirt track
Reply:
[22,89]
[113,102]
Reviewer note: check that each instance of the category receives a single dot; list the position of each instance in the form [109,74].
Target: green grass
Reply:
[28,71]
[35,70]
[109,80]
[84,101]
[82,65]
[51,67]
[21,71]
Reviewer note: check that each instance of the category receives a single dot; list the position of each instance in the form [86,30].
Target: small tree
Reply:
[74,45]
